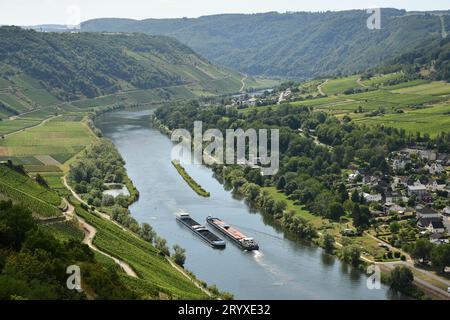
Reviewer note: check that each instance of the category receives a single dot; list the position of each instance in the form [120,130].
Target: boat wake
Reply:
[273,271]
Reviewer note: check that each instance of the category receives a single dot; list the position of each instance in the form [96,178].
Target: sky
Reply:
[72,12]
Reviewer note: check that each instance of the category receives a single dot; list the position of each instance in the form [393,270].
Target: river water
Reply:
[281,269]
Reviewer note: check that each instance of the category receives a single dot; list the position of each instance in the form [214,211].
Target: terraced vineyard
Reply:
[42,201]
[156,274]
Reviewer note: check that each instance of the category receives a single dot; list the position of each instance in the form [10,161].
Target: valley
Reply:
[364,157]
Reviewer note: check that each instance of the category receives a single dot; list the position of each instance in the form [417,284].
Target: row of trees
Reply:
[424,251]
[101,164]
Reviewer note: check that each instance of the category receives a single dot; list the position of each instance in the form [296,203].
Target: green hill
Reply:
[301,45]
[40,68]
[20,188]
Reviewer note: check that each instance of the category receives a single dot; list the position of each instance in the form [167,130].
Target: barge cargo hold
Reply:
[237,237]
[201,231]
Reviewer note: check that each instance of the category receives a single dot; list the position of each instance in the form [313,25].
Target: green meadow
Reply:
[431,120]
[57,139]
[340,85]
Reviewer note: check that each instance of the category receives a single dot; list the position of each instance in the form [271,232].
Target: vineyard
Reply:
[23,189]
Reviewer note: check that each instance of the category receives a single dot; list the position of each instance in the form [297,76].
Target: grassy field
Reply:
[9,126]
[382,79]
[335,86]
[276,195]
[322,225]
[416,106]
[58,139]
[153,269]
[433,88]
[431,120]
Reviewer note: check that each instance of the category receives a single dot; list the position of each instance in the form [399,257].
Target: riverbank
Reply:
[189,180]
[306,224]
[87,209]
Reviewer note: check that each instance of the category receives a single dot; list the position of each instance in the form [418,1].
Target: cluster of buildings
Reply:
[417,185]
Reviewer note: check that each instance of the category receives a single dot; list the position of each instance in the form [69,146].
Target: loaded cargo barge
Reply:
[236,236]
[200,230]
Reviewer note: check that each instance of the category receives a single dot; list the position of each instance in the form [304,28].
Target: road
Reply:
[360,83]
[319,88]
[243,83]
[89,235]
[35,126]
[424,285]
[410,264]
[90,232]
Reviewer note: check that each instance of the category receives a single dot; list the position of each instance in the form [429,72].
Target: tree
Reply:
[15,223]
[40,180]
[422,250]
[401,278]
[440,256]
[161,245]
[335,211]
[352,254]
[355,196]
[147,233]
[281,183]
[328,242]
[179,255]
[107,200]
[394,227]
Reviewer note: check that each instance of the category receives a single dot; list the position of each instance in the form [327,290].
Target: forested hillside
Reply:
[85,65]
[431,60]
[302,45]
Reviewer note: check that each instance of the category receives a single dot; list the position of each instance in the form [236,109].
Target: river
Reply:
[281,269]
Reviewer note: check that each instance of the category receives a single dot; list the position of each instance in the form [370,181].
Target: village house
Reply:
[418,190]
[353,176]
[372,197]
[434,168]
[438,238]
[424,223]
[427,213]
[436,226]
[394,208]
[446,211]
[393,197]
[436,185]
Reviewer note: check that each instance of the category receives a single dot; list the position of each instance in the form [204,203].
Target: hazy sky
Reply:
[30,12]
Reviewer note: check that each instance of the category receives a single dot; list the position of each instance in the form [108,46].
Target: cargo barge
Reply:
[201,231]
[236,236]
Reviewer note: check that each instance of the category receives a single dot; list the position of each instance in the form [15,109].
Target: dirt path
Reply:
[319,88]
[410,264]
[360,83]
[424,285]
[32,127]
[89,235]
[76,196]
[90,232]
[243,83]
